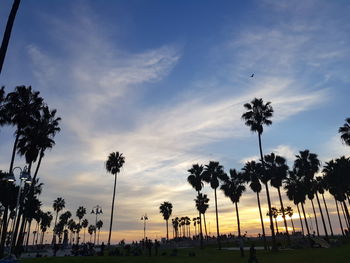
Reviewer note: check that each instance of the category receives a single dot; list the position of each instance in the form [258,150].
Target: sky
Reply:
[164,83]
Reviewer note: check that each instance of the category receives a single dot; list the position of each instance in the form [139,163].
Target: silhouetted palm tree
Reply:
[258,114]
[175,223]
[45,223]
[213,174]
[233,188]
[252,172]
[336,176]
[81,211]
[113,165]
[296,191]
[91,230]
[84,224]
[166,208]
[320,184]
[58,205]
[7,33]
[195,180]
[289,212]
[345,132]
[99,225]
[274,213]
[202,204]
[277,168]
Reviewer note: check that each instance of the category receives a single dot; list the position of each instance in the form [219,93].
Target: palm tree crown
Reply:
[115,162]
[345,131]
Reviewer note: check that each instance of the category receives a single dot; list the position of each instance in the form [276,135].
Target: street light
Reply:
[96,210]
[25,177]
[144,218]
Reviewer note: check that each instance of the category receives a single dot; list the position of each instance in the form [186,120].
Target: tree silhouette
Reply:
[166,208]
[58,205]
[289,212]
[99,225]
[195,180]
[81,211]
[113,165]
[345,132]
[91,230]
[84,224]
[257,115]
[252,172]
[233,188]
[277,169]
[7,33]
[202,204]
[213,174]
[274,213]
[320,185]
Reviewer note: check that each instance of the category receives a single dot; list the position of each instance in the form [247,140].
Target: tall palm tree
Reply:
[252,172]
[7,33]
[307,165]
[289,211]
[202,204]
[336,176]
[213,174]
[257,115]
[278,169]
[81,211]
[84,224]
[99,225]
[166,208]
[58,205]
[345,131]
[233,188]
[195,180]
[114,163]
[175,223]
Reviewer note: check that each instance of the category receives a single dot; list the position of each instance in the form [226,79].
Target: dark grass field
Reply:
[316,255]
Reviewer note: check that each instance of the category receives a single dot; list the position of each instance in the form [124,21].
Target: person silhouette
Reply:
[252,254]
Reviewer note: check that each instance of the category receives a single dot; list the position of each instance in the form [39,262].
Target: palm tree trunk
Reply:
[313,208]
[4,231]
[276,225]
[217,220]
[306,224]
[329,220]
[262,221]
[29,225]
[167,230]
[98,237]
[323,221]
[7,33]
[340,223]
[84,235]
[111,222]
[53,232]
[344,214]
[14,152]
[301,221]
[38,165]
[283,214]
[205,226]
[238,223]
[291,220]
[274,247]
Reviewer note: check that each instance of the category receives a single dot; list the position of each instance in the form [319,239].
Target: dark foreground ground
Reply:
[316,255]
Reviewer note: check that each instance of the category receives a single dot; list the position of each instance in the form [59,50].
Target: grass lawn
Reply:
[331,255]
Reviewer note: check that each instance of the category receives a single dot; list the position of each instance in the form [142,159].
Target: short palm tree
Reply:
[345,132]
[252,172]
[114,163]
[99,225]
[257,115]
[289,212]
[320,185]
[202,204]
[277,168]
[166,208]
[274,212]
[81,211]
[233,188]
[91,230]
[84,224]
[58,205]
[195,180]
[213,174]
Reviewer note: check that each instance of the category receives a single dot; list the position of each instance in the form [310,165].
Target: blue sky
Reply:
[164,82]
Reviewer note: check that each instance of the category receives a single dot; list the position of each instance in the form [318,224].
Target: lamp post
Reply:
[96,210]
[144,218]
[25,177]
